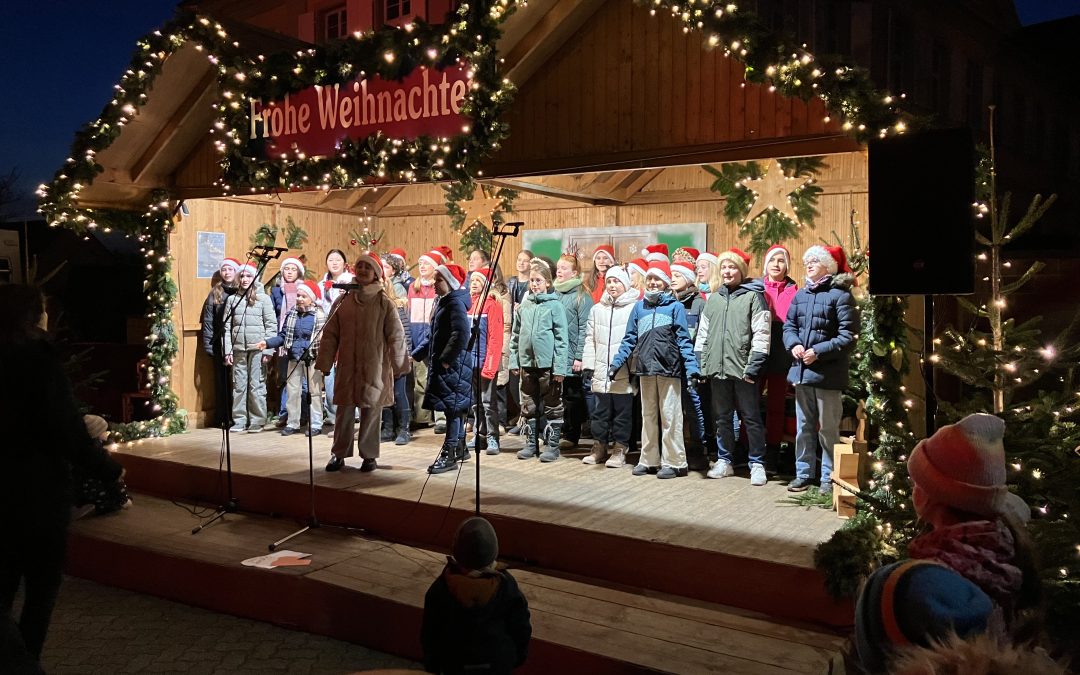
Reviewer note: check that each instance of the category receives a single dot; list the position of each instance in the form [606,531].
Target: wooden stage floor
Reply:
[727,516]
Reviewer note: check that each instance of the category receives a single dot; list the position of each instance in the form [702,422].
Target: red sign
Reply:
[313,121]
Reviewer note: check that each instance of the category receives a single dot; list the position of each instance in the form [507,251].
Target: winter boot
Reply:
[599,453]
[386,434]
[554,434]
[403,435]
[528,428]
[618,457]
[446,461]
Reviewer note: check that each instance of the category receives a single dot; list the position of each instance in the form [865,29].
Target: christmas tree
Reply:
[1011,369]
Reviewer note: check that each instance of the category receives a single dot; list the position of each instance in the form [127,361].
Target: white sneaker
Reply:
[757,474]
[722,469]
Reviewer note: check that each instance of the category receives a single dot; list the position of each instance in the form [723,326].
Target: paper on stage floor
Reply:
[279,559]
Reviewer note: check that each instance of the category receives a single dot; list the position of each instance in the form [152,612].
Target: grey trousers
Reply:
[249,389]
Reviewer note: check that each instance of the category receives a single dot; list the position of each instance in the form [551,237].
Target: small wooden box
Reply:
[845,476]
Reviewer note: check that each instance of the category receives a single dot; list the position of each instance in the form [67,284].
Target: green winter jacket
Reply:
[577,305]
[733,333]
[539,338]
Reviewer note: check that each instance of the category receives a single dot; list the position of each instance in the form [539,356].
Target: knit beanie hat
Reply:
[823,255]
[294,261]
[776,250]
[962,467]
[605,249]
[310,289]
[639,265]
[686,270]
[475,544]
[230,262]
[915,602]
[540,265]
[619,273]
[657,252]
[371,258]
[453,274]
[738,258]
[434,257]
[661,270]
[709,258]
[95,425]
[688,252]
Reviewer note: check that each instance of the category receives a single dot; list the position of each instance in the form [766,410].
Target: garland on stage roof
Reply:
[788,67]
[474,206]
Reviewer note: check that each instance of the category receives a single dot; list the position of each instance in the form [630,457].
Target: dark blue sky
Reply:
[62,57]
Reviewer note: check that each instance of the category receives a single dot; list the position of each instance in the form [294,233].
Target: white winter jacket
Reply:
[603,335]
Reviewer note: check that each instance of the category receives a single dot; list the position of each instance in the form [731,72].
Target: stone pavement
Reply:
[103,630]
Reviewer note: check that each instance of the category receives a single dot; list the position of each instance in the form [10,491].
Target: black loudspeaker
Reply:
[922,227]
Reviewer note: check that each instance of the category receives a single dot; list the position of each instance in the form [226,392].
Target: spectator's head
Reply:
[475,544]
[96,426]
[915,602]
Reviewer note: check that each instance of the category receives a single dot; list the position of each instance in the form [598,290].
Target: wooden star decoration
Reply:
[773,191]
[479,208]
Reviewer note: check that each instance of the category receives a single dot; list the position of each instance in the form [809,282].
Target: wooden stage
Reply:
[720,541]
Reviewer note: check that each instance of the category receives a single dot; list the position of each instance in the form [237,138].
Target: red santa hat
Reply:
[962,467]
[686,270]
[832,258]
[434,257]
[372,258]
[294,261]
[661,270]
[447,252]
[657,252]
[230,262]
[453,274]
[776,250]
[691,253]
[482,272]
[247,268]
[605,249]
[709,258]
[310,289]
[398,253]
[739,258]
[639,265]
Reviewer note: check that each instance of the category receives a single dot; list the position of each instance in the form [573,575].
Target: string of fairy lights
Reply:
[467,41]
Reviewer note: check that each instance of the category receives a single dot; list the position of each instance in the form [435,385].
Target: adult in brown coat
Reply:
[365,338]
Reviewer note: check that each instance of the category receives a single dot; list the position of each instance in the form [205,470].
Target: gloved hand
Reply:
[612,371]
[700,379]
[587,374]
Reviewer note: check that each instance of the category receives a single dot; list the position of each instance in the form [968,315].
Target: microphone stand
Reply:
[264,254]
[305,406]
[500,231]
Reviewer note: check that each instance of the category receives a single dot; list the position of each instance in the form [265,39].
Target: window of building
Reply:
[396,9]
[333,24]
[976,111]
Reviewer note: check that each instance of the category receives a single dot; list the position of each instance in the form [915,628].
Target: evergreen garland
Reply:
[770,226]
[477,236]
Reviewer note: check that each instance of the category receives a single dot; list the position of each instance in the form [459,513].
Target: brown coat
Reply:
[365,338]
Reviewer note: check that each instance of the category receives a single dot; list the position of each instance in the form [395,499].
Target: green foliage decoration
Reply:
[476,234]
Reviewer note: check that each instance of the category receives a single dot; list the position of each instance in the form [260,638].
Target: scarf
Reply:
[980,550]
[811,284]
[653,296]
[288,290]
[687,293]
[566,285]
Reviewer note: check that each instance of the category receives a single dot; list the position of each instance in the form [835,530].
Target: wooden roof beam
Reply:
[548,36]
[176,122]
[574,188]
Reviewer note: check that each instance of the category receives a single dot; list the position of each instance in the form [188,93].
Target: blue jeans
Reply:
[455,430]
[693,412]
[728,395]
[817,422]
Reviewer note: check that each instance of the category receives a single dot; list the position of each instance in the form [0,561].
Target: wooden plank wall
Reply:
[415,220]
[192,369]
[677,195]
[628,82]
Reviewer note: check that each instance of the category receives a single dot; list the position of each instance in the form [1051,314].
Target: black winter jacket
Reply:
[823,318]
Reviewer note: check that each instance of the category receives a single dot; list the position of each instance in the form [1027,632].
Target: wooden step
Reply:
[371,592]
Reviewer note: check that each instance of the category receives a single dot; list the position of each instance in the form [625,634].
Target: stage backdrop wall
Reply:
[415,220]
[237,222]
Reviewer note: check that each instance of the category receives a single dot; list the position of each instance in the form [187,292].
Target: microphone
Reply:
[266,252]
[346,287]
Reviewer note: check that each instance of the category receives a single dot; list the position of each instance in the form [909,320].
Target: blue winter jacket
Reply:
[823,318]
[449,388]
[657,341]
